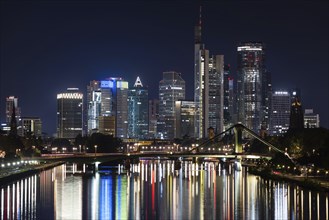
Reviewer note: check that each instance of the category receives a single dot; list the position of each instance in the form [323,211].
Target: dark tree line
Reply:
[15,146]
[308,145]
[105,143]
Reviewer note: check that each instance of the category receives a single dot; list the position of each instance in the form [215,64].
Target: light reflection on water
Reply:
[155,190]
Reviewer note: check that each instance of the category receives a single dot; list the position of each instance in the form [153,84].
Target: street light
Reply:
[95,149]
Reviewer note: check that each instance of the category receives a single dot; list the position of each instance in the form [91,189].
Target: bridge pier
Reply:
[238,139]
[177,165]
[237,165]
[197,160]
[127,164]
[96,166]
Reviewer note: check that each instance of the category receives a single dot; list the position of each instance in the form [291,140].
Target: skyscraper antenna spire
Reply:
[200,17]
[197,37]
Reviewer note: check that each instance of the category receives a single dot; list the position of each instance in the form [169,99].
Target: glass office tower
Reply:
[171,89]
[69,113]
[208,88]
[138,122]
[115,103]
[251,69]
[280,112]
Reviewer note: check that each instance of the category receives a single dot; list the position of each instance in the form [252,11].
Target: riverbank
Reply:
[24,171]
[311,183]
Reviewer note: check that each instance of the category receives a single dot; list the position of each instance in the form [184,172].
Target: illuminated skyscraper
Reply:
[138,123]
[69,113]
[94,104]
[208,87]
[115,103]
[251,89]
[280,112]
[185,115]
[171,89]
[229,113]
[201,92]
[216,94]
[107,98]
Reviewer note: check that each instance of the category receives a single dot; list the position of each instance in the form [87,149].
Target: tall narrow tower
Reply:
[171,89]
[94,104]
[251,70]
[296,111]
[138,122]
[201,83]
[208,88]
[13,123]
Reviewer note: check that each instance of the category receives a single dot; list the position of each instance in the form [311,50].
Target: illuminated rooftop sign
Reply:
[70,96]
[122,84]
[281,93]
[106,84]
[249,48]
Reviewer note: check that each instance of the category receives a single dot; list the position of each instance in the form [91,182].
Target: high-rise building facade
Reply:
[107,98]
[216,94]
[153,117]
[69,113]
[138,123]
[280,112]
[250,85]
[185,116]
[115,103]
[208,88]
[266,100]
[171,89]
[94,104]
[229,105]
[29,126]
[106,125]
[311,120]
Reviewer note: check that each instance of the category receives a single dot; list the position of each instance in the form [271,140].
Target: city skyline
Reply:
[47,47]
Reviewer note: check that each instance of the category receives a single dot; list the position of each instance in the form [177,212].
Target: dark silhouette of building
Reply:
[13,122]
[296,114]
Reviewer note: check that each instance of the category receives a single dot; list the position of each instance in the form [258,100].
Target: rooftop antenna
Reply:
[198,28]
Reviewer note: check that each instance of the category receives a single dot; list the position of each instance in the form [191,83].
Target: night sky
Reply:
[46,47]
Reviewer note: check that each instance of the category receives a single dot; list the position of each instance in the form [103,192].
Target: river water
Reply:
[155,190]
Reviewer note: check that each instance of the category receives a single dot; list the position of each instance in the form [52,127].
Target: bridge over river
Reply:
[195,153]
